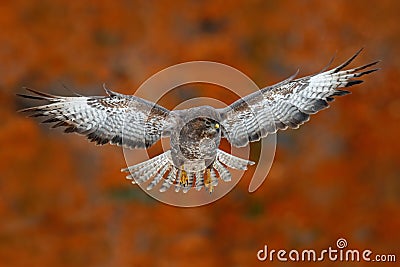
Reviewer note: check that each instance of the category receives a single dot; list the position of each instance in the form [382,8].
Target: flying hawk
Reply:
[194,160]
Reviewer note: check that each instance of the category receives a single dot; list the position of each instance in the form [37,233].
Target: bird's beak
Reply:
[216,126]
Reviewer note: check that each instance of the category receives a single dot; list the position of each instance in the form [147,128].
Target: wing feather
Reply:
[116,118]
[287,104]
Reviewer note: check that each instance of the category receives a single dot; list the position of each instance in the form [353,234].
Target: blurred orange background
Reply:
[64,202]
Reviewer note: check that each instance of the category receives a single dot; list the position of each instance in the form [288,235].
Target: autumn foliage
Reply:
[64,202]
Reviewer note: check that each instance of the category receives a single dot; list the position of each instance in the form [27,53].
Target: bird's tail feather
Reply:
[161,168]
[156,166]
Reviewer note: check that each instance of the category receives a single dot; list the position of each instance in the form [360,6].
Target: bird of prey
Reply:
[194,160]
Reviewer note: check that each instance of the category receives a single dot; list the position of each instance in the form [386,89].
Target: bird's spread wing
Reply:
[117,119]
[287,104]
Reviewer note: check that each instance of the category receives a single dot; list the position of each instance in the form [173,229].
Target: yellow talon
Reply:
[184,179]
[207,181]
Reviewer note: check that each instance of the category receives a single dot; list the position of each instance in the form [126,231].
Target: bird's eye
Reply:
[208,123]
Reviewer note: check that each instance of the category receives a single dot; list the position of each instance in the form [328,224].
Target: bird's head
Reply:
[202,127]
[211,127]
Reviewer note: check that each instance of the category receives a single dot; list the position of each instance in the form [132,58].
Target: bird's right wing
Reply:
[117,119]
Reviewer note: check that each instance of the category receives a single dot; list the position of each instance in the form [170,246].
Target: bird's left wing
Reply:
[117,119]
[286,104]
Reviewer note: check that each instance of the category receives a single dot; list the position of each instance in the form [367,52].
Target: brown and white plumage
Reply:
[194,160]
[287,104]
[104,119]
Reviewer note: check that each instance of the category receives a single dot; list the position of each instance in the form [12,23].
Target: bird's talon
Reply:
[207,182]
[184,178]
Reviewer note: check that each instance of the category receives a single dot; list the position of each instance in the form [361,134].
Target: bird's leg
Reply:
[208,182]
[184,178]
